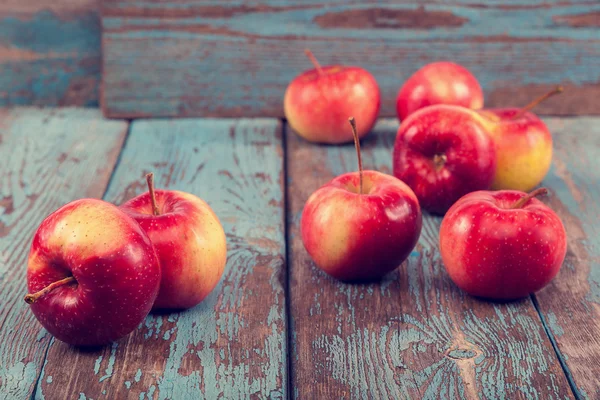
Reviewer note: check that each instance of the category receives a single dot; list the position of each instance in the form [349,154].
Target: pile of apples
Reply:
[96,270]
[451,156]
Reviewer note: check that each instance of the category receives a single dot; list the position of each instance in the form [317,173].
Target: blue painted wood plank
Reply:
[571,303]
[233,345]
[49,52]
[413,335]
[209,58]
[49,157]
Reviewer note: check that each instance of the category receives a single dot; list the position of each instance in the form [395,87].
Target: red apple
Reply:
[523,145]
[92,273]
[502,245]
[317,102]
[360,226]
[189,241]
[443,152]
[439,83]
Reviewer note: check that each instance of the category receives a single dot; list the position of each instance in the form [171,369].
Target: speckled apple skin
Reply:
[115,266]
[439,83]
[455,132]
[356,237]
[189,241]
[523,148]
[495,252]
[318,106]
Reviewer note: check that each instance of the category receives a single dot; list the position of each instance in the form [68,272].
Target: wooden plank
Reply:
[415,334]
[233,345]
[49,157]
[215,58]
[571,303]
[49,52]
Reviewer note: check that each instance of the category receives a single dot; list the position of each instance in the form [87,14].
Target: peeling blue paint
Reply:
[58,54]
[111,362]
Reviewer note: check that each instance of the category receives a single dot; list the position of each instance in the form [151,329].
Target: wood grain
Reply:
[46,162]
[233,345]
[571,303]
[413,335]
[214,58]
[49,52]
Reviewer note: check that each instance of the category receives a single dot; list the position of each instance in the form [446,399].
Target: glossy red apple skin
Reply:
[439,83]
[455,133]
[523,148]
[317,106]
[113,262]
[189,241]
[356,237]
[494,252]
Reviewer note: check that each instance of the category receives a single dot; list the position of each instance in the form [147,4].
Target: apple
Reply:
[443,152]
[523,145]
[441,82]
[361,225]
[189,241]
[317,102]
[92,273]
[502,245]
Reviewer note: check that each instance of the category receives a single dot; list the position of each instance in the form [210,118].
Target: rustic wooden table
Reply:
[276,326]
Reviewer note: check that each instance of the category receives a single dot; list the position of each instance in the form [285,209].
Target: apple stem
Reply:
[314,60]
[150,181]
[523,200]
[556,90]
[439,160]
[31,298]
[357,147]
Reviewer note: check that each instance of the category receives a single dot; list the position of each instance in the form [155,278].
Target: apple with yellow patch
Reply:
[361,225]
[523,145]
[318,101]
[189,241]
[92,273]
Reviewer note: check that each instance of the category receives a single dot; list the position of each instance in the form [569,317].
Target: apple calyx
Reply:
[439,160]
[523,200]
[357,147]
[150,182]
[31,298]
[315,62]
[556,90]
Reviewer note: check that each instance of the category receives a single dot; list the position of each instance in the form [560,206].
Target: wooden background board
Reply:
[235,58]
[233,345]
[415,334]
[46,162]
[49,52]
[571,303]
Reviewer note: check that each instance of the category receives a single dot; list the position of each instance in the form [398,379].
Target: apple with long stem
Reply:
[440,82]
[502,245]
[189,241]
[92,273]
[361,225]
[523,145]
[318,101]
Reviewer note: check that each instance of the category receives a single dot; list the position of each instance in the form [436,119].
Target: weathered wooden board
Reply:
[49,157]
[233,345]
[234,58]
[49,52]
[415,334]
[571,303]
